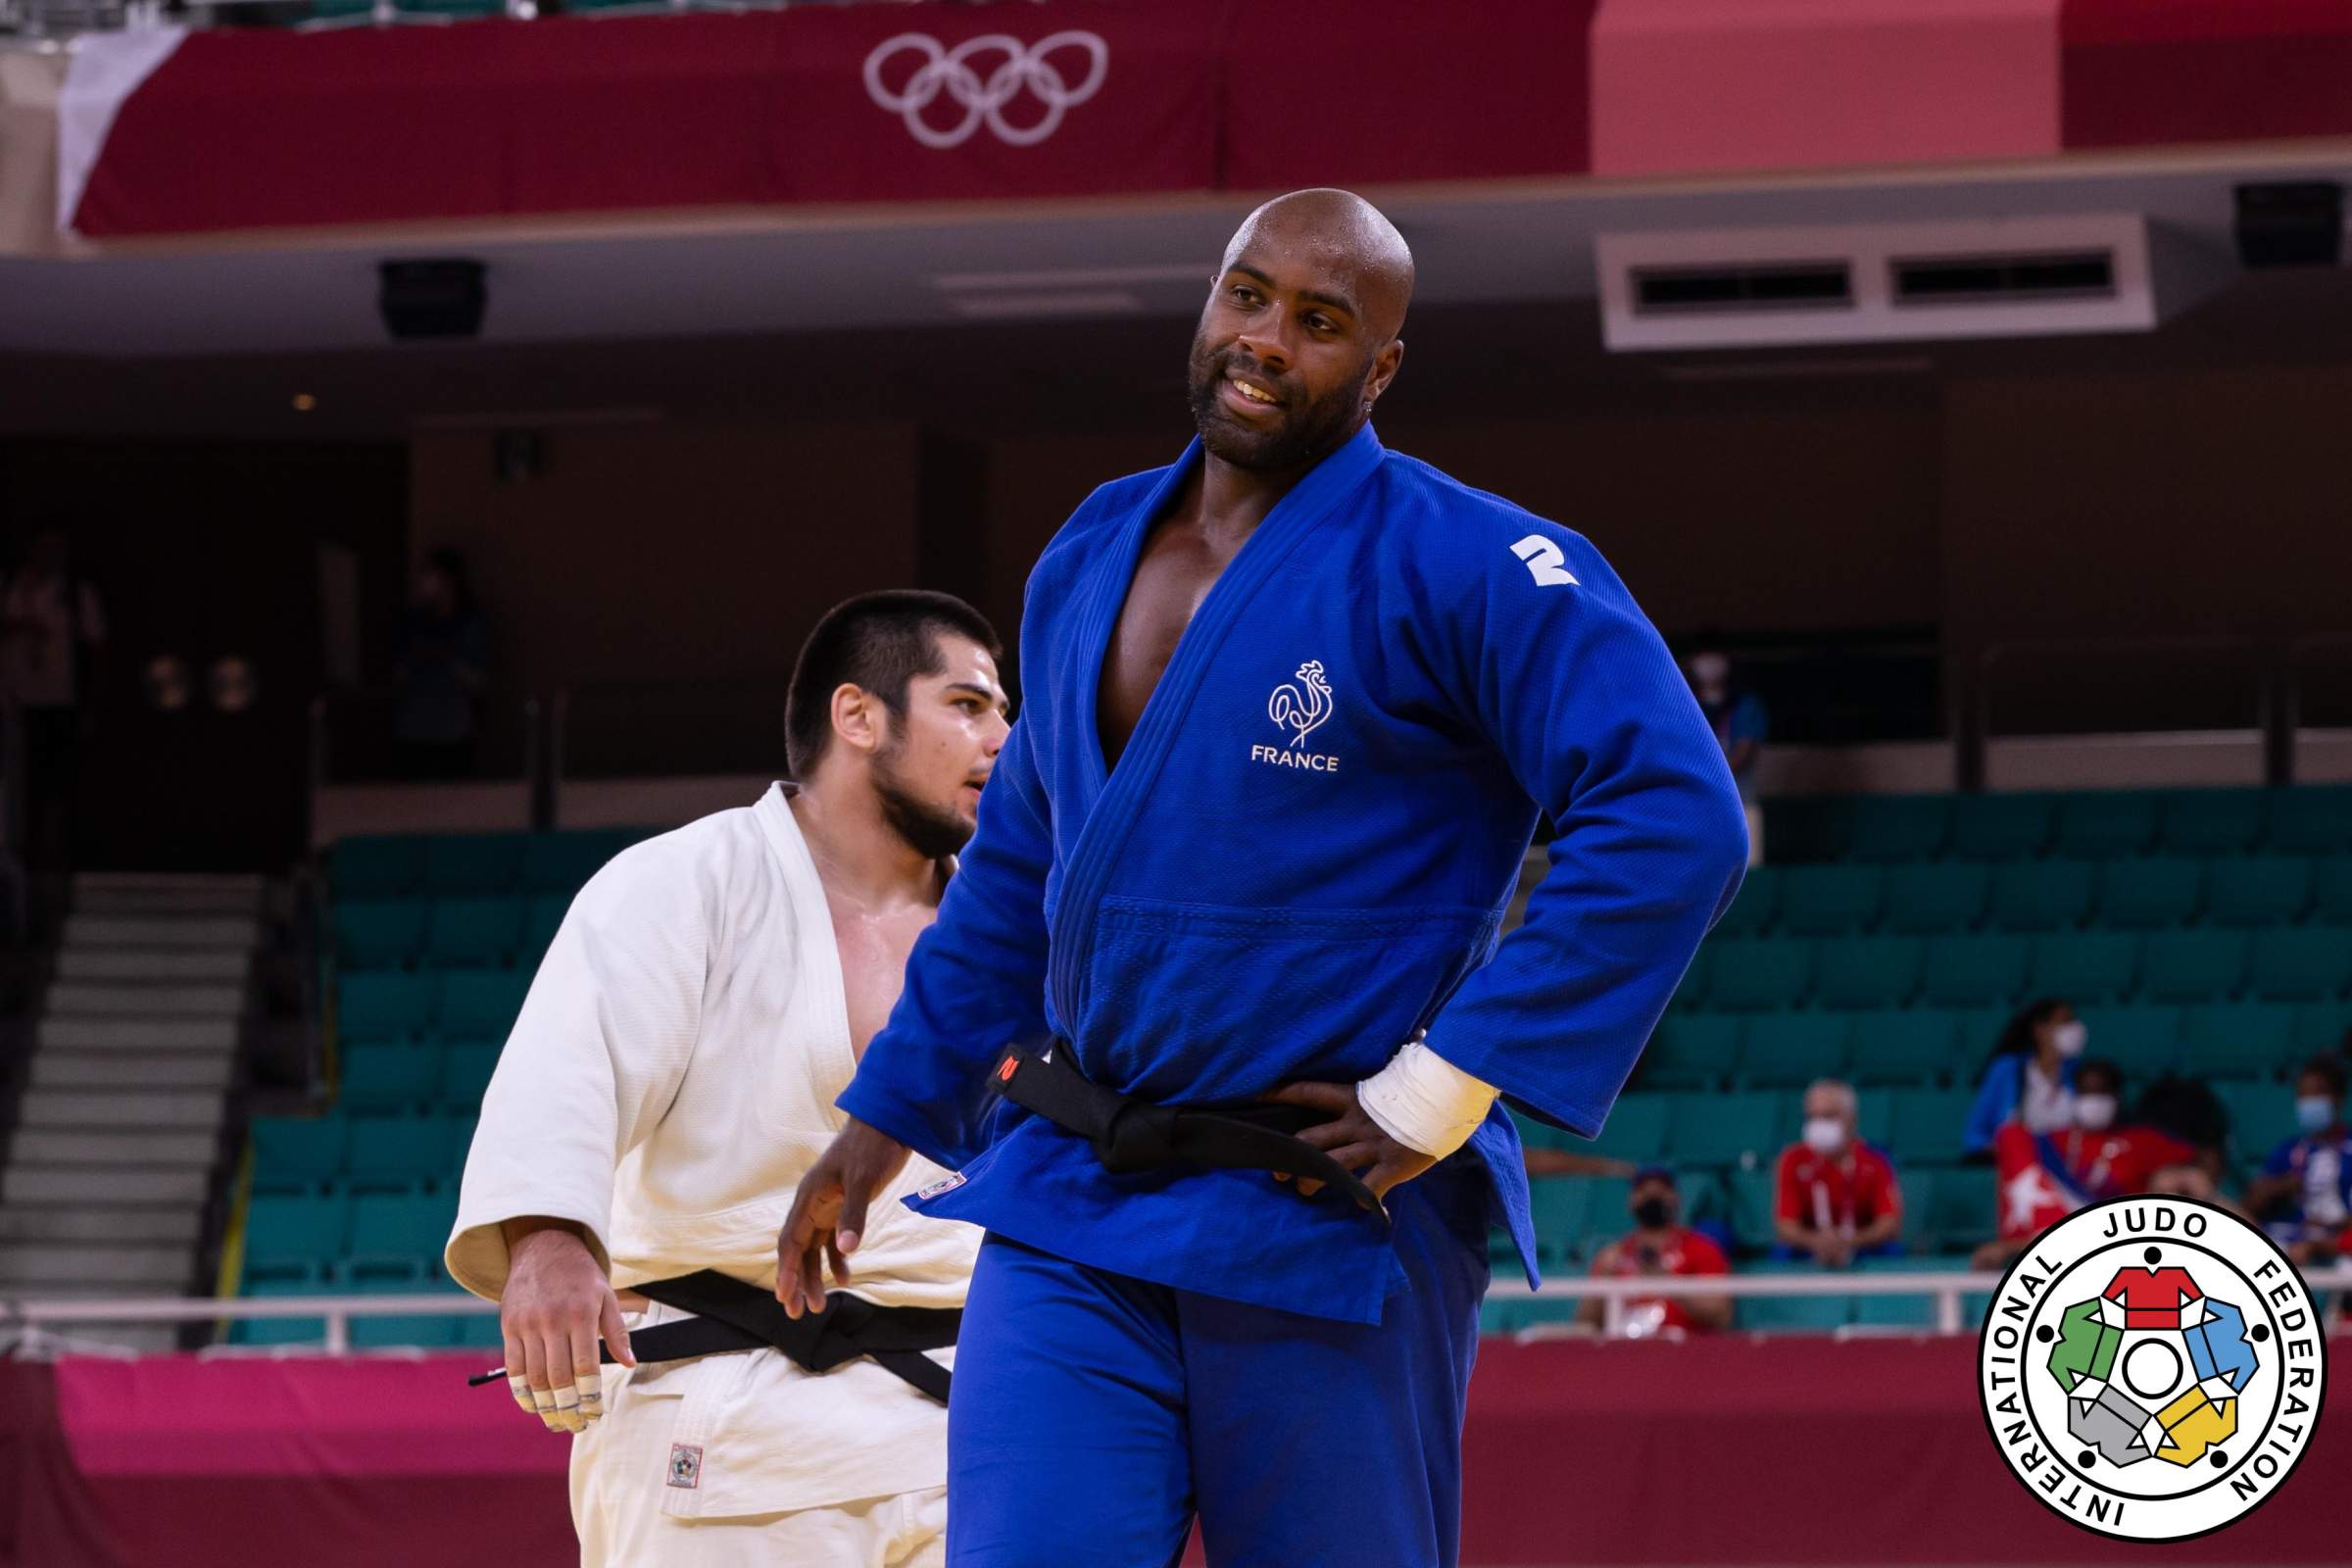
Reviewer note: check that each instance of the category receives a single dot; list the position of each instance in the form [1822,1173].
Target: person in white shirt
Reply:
[670,1078]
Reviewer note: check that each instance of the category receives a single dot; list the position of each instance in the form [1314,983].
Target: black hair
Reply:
[2017,1035]
[876,642]
[2106,1066]
[2185,1109]
[2328,1067]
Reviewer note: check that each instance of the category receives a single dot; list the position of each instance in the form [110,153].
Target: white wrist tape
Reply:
[1425,1102]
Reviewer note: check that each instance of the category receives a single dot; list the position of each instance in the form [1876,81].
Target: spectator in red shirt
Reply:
[1837,1197]
[1660,1244]
[2041,1177]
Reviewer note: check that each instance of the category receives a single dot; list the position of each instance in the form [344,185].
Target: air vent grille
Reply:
[1966,279]
[1697,290]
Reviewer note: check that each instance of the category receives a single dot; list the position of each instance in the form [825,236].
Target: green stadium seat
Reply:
[1637,1127]
[2309,820]
[1742,1129]
[1961,970]
[478,1004]
[539,926]
[294,1238]
[561,863]
[421,1330]
[1750,1196]
[397,1236]
[1791,1314]
[2323,1026]
[2312,964]
[481,932]
[2257,890]
[1890,829]
[1824,900]
[1789,1050]
[2042,895]
[1893,1311]
[1962,1211]
[1930,1124]
[2085,965]
[2332,890]
[387,1005]
[1509,1315]
[379,933]
[1874,1116]
[1936,900]
[297,1154]
[2103,823]
[2149,891]
[477,1331]
[2144,1041]
[1691,995]
[2238,1040]
[1903,1048]
[1691,1050]
[1559,1206]
[473,862]
[279,1330]
[1867,971]
[2000,827]
[2262,1116]
[466,1069]
[1759,973]
[376,867]
[1813,827]
[2210,822]
[1752,911]
[389,1076]
[1605,1214]
[2192,965]
[393,1153]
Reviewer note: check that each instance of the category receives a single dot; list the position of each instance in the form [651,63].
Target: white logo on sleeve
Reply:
[1300,707]
[1544,559]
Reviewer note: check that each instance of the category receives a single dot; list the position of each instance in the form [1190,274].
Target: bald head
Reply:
[1300,336]
[1342,234]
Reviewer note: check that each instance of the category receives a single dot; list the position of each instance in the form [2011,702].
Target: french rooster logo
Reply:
[1301,711]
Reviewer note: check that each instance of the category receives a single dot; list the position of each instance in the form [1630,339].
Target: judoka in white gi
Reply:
[672,1076]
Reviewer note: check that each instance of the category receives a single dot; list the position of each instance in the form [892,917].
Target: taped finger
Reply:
[567,1407]
[522,1392]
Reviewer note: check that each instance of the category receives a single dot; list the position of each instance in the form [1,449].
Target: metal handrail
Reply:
[1947,1286]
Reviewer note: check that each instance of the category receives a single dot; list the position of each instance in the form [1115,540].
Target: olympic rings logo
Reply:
[950,71]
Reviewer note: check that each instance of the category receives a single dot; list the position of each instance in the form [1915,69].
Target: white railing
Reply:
[1947,1287]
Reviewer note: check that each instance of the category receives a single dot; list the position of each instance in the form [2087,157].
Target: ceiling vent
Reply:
[1744,288]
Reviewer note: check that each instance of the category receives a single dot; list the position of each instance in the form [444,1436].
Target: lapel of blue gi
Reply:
[1117,796]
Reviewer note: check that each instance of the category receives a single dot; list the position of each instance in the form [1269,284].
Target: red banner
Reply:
[2148,72]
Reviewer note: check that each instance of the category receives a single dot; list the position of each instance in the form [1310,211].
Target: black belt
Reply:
[730,1315]
[1131,1135]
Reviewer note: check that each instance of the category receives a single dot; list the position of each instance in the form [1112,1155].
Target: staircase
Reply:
[120,1129]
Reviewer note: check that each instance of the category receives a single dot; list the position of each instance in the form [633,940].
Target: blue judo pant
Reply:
[1094,1414]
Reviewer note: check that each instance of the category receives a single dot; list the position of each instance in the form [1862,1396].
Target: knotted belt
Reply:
[1131,1135]
[730,1315]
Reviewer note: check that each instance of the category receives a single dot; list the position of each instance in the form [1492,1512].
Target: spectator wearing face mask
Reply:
[2030,1077]
[1836,1197]
[2192,1181]
[1741,726]
[2304,1193]
[2042,1177]
[1660,1244]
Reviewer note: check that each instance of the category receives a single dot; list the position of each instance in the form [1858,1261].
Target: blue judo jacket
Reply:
[1303,857]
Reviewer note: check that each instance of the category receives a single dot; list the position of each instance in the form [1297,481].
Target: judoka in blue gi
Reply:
[1294,707]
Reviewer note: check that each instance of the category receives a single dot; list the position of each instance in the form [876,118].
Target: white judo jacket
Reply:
[670,1078]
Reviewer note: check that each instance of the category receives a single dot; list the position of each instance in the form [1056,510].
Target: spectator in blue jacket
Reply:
[2030,1075]
[2305,1190]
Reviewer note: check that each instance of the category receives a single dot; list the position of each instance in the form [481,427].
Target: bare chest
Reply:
[873,964]
[1177,569]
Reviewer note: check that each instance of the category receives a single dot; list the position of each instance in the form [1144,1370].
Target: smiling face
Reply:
[1299,339]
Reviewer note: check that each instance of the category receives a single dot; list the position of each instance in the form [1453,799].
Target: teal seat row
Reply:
[459,932]
[1761,973]
[424,1329]
[1748,1128]
[1892,829]
[460,1004]
[1575,1217]
[2141,893]
[407,1074]
[364,1153]
[387,867]
[389,1237]
[1903,1048]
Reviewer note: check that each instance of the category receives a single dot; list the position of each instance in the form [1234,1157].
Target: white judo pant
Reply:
[617,1507]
